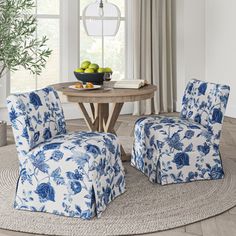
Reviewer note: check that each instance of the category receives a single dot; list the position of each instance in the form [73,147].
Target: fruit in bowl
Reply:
[94,66]
[107,70]
[91,72]
[79,70]
[85,64]
[100,70]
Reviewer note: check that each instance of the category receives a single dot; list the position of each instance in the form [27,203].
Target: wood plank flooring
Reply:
[222,225]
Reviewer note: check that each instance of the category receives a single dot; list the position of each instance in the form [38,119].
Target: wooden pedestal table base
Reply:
[102,120]
[105,104]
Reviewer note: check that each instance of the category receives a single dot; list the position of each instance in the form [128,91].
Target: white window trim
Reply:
[70,38]
[38,16]
[4,90]
[129,41]
[70,45]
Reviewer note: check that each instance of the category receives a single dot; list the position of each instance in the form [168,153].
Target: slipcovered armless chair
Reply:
[176,150]
[70,174]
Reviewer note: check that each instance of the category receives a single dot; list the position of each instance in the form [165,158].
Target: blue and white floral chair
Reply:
[71,174]
[176,150]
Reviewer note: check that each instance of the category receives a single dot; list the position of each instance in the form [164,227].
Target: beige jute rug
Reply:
[144,208]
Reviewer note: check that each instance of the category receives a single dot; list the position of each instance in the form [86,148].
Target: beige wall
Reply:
[221,46]
[206,44]
[190,43]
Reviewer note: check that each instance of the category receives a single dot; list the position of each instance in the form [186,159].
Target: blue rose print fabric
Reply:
[176,150]
[71,174]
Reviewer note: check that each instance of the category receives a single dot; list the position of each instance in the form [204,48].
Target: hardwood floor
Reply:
[222,225]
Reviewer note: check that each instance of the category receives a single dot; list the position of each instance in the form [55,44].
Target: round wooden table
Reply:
[102,118]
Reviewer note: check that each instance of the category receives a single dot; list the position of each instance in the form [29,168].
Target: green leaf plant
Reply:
[19,46]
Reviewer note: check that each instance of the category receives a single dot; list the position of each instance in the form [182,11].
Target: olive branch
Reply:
[18,43]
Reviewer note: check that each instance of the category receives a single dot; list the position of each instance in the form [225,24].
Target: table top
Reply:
[105,95]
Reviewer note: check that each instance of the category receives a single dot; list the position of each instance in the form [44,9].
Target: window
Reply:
[48,16]
[114,47]
[59,21]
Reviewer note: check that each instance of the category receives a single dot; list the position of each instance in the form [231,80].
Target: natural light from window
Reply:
[48,17]
[91,47]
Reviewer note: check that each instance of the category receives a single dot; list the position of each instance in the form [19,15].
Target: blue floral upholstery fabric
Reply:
[71,174]
[176,150]
[35,117]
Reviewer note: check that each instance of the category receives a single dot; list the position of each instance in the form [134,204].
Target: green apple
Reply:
[79,70]
[94,66]
[107,70]
[100,70]
[85,64]
[89,70]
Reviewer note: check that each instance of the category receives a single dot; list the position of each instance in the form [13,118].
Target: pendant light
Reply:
[101,18]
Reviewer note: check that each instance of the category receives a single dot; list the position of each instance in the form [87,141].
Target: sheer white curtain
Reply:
[152,52]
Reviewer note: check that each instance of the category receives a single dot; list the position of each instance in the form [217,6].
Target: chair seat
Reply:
[160,122]
[75,174]
[174,150]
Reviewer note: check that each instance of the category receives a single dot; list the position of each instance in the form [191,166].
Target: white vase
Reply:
[3,133]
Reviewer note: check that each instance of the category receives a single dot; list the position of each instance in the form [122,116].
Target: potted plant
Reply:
[19,46]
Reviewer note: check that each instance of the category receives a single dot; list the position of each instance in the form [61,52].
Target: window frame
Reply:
[69,14]
[41,16]
[125,19]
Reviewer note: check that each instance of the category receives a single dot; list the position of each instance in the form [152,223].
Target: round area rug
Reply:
[144,207]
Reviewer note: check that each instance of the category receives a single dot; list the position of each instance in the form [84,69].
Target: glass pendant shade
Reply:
[101,18]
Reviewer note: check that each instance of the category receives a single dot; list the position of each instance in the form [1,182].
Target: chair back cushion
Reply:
[36,117]
[205,103]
